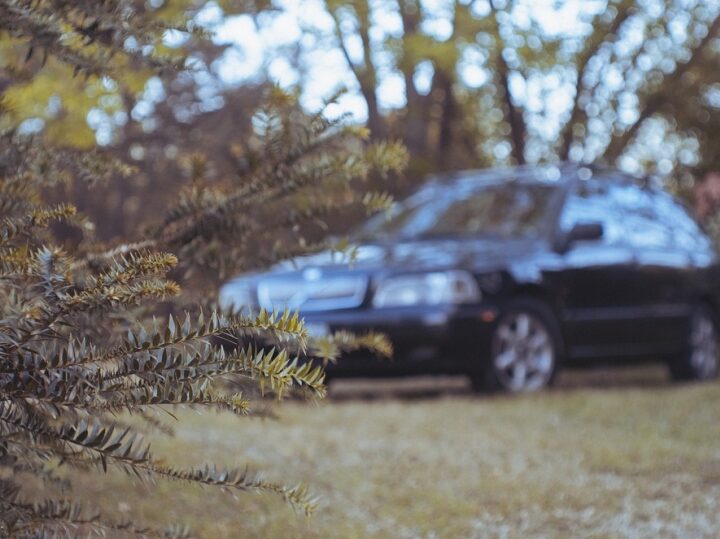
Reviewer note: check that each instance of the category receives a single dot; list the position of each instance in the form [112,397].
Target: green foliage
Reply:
[79,351]
[86,35]
[45,41]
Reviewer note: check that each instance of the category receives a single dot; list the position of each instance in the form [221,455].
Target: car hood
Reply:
[427,254]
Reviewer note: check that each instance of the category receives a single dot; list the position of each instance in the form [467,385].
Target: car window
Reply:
[644,226]
[592,202]
[507,210]
[686,233]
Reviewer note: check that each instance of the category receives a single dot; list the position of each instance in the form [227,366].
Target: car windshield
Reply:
[468,208]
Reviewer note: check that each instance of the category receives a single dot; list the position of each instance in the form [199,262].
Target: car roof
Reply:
[560,174]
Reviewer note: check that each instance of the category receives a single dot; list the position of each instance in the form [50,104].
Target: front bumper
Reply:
[427,339]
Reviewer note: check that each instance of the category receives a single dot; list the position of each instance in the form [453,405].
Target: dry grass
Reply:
[603,455]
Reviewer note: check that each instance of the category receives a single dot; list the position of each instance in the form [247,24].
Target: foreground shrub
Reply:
[80,349]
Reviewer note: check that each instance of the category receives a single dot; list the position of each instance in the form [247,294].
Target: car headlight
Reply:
[436,288]
[237,297]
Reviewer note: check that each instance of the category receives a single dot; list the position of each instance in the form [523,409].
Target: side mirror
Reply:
[585,232]
[580,232]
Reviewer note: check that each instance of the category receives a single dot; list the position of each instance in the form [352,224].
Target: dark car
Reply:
[504,275]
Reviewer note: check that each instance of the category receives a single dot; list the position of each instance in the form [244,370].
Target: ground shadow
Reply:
[430,387]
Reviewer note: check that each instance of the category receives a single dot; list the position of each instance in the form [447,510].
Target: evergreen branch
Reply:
[284,327]
[173,393]
[270,367]
[126,268]
[38,218]
[69,517]
[343,342]
[118,446]
[298,496]
[118,295]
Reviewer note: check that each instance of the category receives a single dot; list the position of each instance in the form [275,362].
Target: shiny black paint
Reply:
[613,298]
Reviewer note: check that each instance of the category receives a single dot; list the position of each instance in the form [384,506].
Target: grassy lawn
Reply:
[604,454]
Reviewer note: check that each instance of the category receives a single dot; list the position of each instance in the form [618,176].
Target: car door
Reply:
[670,256]
[663,274]
[597,291]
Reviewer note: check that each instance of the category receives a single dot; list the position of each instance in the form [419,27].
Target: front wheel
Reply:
[700,360]
[524,350]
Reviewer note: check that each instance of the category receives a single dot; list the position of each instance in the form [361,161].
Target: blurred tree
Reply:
[501,81]
[179,116]
[37,75]
[432,124]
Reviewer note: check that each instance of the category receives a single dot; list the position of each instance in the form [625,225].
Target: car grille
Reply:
[327,293]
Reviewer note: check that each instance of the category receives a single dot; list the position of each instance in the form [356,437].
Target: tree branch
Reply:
[603,35]
[366,75]
[416,120]
[656,100]
[514,116]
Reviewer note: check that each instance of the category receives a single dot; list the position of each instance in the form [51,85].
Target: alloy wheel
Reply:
[703,346]
[523,352]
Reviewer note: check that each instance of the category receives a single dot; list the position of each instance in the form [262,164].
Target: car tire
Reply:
[701,358]
[525,349]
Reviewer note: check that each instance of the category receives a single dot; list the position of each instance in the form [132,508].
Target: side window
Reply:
[592,202]
[686,233]
[645,228]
